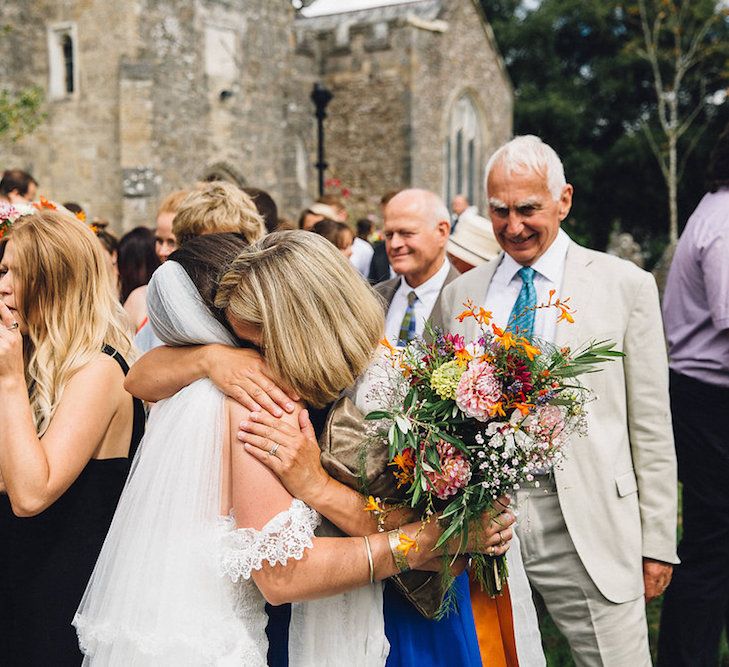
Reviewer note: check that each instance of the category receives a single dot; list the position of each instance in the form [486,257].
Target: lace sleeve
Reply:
[285,536]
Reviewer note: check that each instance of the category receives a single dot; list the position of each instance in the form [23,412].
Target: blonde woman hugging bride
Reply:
[205,533]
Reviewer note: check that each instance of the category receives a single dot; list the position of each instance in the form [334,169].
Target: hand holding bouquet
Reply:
[468,421]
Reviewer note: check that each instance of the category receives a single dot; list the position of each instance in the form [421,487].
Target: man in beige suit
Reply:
[598,533]
[417,227]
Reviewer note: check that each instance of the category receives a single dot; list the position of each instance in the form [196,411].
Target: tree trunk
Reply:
[672,188]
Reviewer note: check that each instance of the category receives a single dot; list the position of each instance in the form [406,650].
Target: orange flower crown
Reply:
[10,213]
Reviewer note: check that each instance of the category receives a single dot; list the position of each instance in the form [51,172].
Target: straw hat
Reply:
[473,241]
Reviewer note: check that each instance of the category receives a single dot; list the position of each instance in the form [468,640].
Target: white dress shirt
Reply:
[548,273]
[361,257]
[427,294]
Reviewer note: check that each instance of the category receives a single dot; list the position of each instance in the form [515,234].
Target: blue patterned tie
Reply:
[521,319]
[407,328]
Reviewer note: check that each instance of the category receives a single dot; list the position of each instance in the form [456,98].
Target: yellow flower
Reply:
[530,350]
[484,316]
[373,505]
[506,338]
[406,543]
[497,409]
[565,315]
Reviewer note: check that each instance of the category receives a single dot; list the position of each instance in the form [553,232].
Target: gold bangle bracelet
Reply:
[369,559]
[401,562]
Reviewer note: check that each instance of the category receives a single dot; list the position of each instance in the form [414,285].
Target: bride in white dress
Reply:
[203,531]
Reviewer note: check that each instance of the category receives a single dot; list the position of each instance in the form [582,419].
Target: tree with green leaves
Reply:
[20,112]
[680,39]
[582,85]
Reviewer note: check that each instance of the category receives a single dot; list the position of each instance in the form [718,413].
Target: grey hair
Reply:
[431,206]
[529,154]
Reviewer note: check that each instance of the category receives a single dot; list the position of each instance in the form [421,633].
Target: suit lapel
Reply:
[478,295]
[577,287]
[452,275]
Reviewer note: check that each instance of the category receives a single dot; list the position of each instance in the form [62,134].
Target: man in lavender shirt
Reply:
[696,313]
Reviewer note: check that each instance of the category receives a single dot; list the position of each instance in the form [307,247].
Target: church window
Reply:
[462,152]
[62,60]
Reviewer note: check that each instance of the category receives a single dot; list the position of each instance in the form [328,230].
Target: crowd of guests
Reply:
[253,327]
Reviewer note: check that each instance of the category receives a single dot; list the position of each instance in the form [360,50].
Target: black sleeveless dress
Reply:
[46,560]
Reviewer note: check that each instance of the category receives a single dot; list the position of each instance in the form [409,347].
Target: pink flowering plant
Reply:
[471,421]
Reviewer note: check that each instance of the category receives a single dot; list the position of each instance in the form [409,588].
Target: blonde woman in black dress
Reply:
[67,429]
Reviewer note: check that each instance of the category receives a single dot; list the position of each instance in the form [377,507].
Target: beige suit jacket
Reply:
[617,488]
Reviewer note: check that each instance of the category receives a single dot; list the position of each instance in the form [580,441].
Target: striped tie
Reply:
[407,328]
[521,319]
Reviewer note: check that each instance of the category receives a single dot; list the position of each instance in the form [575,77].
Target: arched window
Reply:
[62,60]
[462,152]
[67,47]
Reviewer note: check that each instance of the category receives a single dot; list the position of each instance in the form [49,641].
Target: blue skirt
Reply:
[416,641]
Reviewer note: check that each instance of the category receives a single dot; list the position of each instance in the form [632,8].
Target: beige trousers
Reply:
[599,632]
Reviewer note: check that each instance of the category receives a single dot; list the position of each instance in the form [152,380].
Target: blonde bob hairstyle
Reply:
[215,208]
[320,322]
[65,292]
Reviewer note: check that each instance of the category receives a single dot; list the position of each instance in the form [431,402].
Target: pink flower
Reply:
[456,340]
[550,420]
[478,390]
[455,472]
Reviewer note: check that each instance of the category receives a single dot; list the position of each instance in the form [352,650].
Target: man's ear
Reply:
[444,228]
[565,201]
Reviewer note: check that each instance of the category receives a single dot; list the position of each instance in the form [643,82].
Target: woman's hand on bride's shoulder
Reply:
[290,451]
[242,374]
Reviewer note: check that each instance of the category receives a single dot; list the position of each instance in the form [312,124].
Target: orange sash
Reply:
[494,627]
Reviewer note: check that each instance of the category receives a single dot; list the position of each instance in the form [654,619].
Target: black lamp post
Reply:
[321,96]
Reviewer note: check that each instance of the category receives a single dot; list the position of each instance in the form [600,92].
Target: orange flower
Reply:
[523,408]
[506,338]
[404,461]
[484,316]
[497,409]
[469,312]
[81,216]
[463,356]
[406,543]
[373,505]
[386,344]
[45,203]
[530,350]
[464,315]
[565,315]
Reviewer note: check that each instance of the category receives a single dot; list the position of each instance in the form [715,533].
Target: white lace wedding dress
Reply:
[172,584]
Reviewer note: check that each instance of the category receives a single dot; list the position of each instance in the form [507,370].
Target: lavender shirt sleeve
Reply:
[715,266]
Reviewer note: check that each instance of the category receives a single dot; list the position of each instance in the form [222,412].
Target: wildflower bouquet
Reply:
[467,422]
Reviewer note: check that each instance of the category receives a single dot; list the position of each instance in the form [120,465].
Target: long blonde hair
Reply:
[66,295]
[320,321]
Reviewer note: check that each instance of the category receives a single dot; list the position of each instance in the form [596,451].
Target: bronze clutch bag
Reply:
[349,458]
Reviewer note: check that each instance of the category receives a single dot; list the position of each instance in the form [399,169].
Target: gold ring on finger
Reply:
[273,450]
